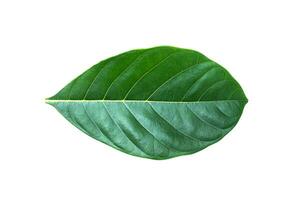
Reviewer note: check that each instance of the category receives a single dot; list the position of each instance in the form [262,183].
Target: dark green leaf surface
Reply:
[155,103]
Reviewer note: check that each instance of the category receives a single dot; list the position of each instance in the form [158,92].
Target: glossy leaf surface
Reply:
[155,103]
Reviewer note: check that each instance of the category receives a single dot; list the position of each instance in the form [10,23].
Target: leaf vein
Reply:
[138,57]
[95,78]
[98,128]
[175,75]
[163,144]
[147,72]
[197,80]
[180,133]
[133,142]
[204,121]
[210,88]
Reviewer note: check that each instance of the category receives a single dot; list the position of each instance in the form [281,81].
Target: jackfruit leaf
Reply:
[155,103]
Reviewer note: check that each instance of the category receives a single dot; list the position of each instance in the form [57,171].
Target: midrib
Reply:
[136,101]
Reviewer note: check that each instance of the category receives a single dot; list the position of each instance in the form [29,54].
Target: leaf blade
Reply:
[156,103]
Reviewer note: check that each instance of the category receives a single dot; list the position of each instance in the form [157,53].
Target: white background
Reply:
[45,44]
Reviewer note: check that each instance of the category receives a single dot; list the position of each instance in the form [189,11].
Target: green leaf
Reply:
[155,103]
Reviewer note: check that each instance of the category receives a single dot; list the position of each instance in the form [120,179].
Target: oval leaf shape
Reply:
[156,103]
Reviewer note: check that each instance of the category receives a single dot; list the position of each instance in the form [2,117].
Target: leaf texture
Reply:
[155,103]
